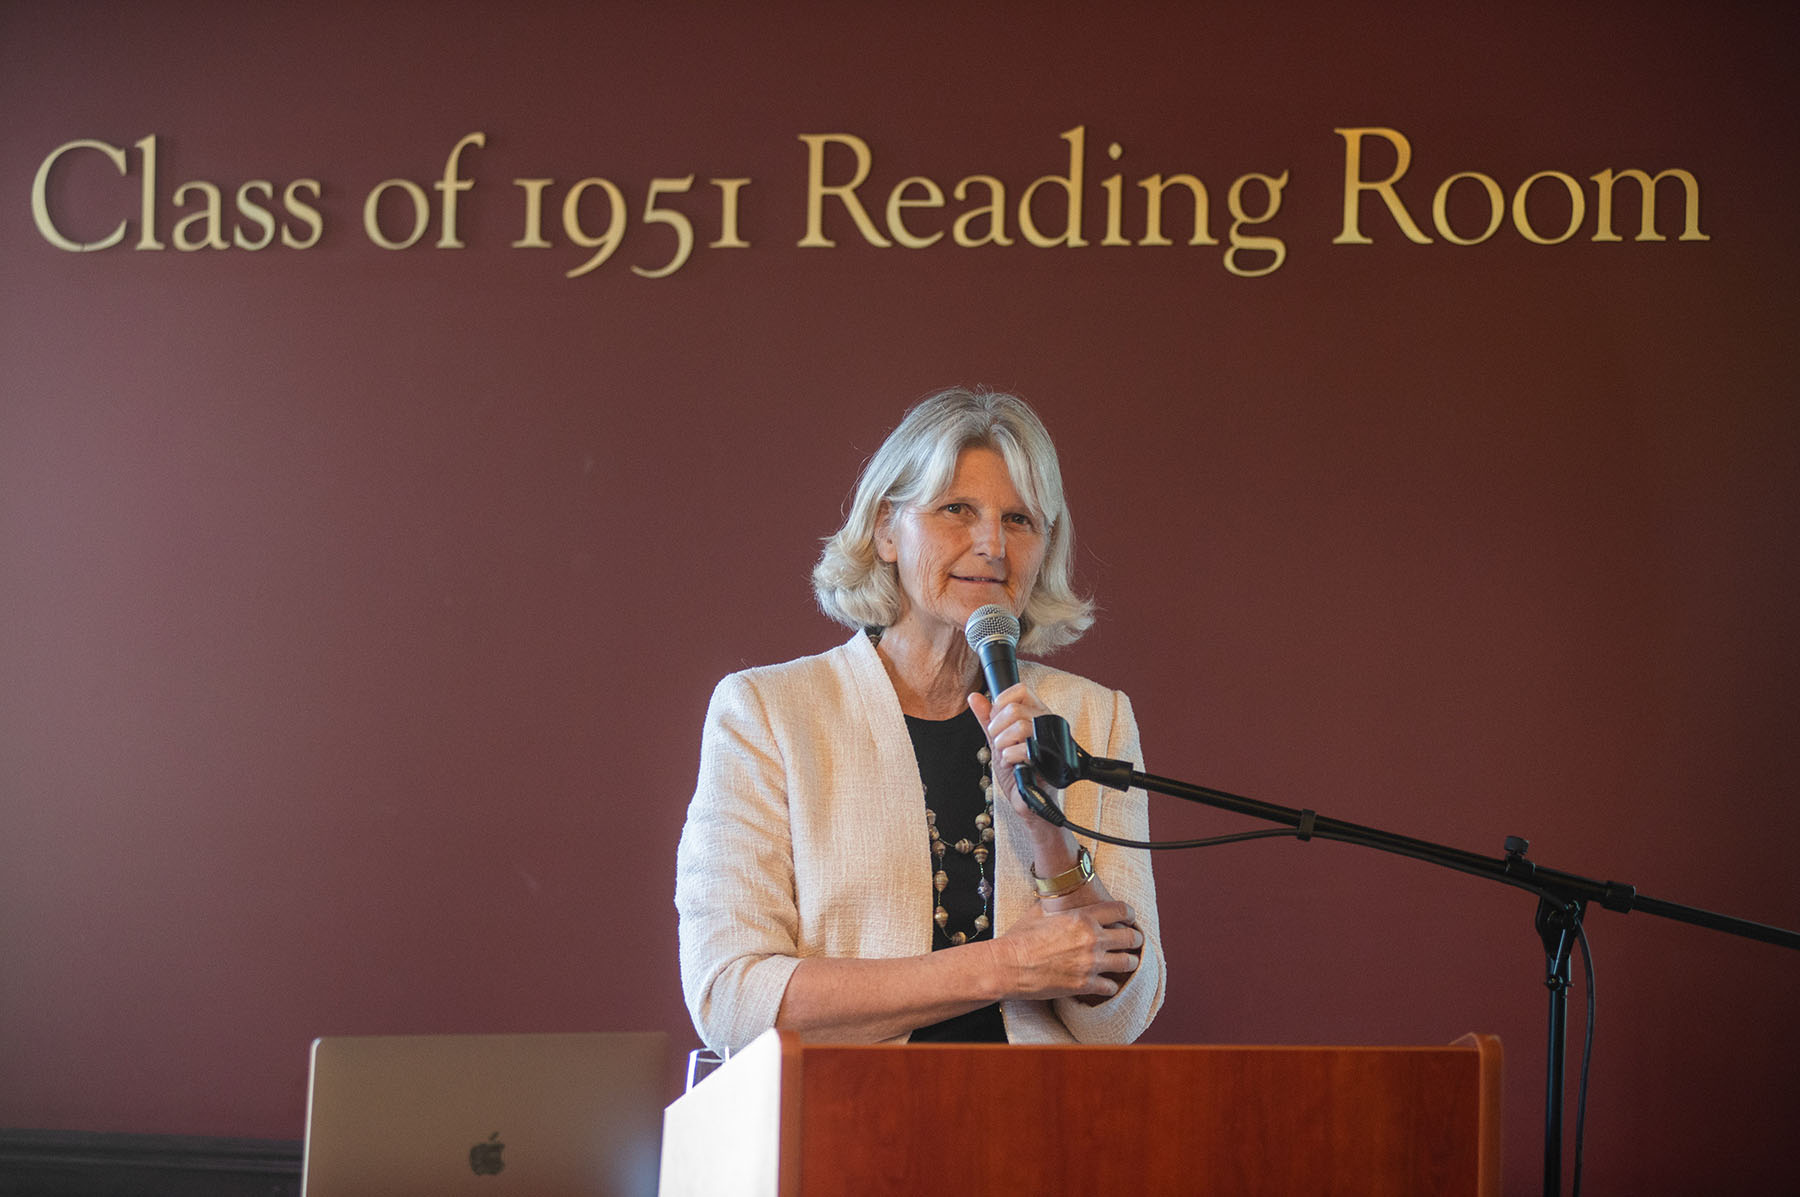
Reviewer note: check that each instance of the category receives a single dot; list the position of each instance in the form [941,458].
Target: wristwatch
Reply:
[1067,881]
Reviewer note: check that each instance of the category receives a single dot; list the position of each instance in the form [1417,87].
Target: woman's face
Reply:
[974,544]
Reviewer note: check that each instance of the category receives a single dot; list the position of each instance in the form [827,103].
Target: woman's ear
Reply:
[885,548]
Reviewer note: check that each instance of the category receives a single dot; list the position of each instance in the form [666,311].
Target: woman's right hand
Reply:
[1069,953]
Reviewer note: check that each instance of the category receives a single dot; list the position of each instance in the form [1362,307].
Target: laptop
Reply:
[576,1115]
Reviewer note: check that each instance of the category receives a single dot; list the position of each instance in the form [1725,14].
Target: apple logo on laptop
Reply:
[484,1158]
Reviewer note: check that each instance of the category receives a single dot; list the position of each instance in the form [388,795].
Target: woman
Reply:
[857,864]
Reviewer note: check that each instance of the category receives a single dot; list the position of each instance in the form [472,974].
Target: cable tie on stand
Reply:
[1305,828]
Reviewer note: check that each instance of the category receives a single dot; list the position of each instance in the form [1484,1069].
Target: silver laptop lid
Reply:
[488,1115]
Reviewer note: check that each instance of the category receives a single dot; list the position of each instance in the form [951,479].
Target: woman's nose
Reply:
[990,537]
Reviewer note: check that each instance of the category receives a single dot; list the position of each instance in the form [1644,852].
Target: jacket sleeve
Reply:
[1126,871]
[734,874]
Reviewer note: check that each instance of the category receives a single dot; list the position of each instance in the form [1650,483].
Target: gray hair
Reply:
[916,462]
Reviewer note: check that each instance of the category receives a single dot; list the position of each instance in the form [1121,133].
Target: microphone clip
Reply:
[1061,762]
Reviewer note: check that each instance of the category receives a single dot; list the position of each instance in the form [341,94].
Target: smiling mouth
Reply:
[985,581]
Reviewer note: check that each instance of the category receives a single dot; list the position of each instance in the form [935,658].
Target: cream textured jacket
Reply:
[806,837]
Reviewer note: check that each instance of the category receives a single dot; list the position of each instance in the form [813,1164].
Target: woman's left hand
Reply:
[1007,721]
[1009,731]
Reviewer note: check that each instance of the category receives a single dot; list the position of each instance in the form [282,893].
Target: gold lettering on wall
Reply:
[1070,186]
[1440,207]
[990,218]
[1690,190]
[657,210]
[419,206]
[40,202]
[253,219]
[817,190]
[1357,186]
[1274,246]
[667,219]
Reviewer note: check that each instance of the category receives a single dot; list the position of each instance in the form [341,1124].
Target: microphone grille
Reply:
[990,623]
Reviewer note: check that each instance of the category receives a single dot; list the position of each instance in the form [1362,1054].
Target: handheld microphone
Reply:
[993,632]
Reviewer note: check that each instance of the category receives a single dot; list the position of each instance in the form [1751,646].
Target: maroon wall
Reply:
[361,605]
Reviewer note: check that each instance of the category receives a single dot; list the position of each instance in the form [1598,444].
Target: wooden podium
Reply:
[790,1119]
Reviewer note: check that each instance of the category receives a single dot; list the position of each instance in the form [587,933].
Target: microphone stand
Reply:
[1562,897]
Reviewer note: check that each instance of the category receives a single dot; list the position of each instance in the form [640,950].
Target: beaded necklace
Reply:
[976,847]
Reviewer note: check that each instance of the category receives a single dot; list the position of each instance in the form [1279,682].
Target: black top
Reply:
[949,766]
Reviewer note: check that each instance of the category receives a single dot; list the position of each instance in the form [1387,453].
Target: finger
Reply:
[1009,726]
[1003,729]
[1127,917]
[1124,939]
[1016,704]
[1018,692]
